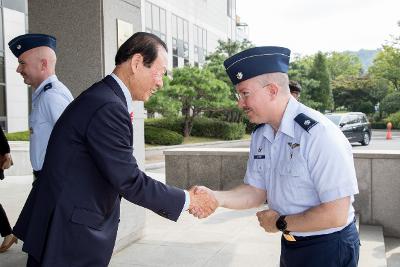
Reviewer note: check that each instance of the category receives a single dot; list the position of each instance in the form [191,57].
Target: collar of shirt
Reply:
[287,123]
[126,92]
[39,90]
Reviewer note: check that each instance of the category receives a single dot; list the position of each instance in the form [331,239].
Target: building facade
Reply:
[14,95]
[89,33]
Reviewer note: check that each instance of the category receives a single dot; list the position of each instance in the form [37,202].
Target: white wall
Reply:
[16,90]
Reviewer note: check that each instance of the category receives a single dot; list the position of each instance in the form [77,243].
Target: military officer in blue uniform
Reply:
[299,162]
[37,61]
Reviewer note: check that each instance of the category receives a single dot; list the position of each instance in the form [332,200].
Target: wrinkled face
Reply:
[254,98]
[149,79]
[30,68]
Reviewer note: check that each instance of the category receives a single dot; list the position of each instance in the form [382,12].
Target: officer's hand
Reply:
[6,162]
[267,220]
[202,202]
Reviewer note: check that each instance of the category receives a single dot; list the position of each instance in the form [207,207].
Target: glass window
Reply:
[1,31]
[195,35]
[174,46]
[174,26]
[180,28]
[204,39]
[229,8]
[155,11]
[174,62]
[185,31]
[19,5]
[148,16]
[163,21]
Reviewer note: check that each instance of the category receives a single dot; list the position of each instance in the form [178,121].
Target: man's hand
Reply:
[6,161]
[267,220]
[202,202]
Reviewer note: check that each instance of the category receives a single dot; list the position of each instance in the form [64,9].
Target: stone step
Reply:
[372,250]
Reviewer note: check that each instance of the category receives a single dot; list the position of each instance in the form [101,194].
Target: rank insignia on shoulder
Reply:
[305,122]
[47,87]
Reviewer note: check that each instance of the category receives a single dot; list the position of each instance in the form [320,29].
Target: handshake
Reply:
[203,201]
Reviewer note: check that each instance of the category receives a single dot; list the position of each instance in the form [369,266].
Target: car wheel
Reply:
[366,139]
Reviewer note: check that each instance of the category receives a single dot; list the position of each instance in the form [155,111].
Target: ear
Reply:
[43,64]
[273,90]
[136,62]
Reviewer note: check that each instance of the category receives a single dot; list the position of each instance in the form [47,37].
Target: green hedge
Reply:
[220,129]
[18,136]
[172,124]
[159,136]
[394,119]
[378,125]
[204,127]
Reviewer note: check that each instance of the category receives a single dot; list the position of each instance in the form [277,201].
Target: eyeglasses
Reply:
[244,95]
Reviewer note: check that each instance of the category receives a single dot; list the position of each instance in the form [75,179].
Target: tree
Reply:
[299,71]
[197,90]
[354,94]
[161,103]
[323,93]
[387,65]
[215,64]
[343,64]
[391,103]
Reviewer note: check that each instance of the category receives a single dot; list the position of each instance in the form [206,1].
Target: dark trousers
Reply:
[32,262]
[339,249]
[5,228]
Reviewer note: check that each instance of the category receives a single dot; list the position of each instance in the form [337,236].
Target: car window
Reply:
[352,119]
[336,119]
[363,119]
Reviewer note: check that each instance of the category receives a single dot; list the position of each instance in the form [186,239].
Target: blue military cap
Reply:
[25,42]
[256,61]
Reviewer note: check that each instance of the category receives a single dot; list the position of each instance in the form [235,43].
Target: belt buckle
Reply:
[289,237]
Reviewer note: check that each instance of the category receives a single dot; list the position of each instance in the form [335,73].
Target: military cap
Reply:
[25,42]
[256,61]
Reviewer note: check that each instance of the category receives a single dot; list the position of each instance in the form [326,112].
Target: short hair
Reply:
[294,86]
[143,43]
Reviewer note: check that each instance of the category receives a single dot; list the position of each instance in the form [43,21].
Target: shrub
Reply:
[159,136]
[204,127]
[214,128]
[394,119]
[378,125]
[172,124]
[391,103]
[18,136]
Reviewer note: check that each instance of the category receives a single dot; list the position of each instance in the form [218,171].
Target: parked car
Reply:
[354,125]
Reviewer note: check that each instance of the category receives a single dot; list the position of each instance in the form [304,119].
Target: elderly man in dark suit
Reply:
[71,215]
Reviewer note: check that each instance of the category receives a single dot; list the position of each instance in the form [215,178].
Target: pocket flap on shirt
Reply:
[89,218]
[291,169]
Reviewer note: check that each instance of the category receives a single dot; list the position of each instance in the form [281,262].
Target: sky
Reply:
[309,26]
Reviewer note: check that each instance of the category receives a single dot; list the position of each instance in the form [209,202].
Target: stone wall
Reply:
[378,174]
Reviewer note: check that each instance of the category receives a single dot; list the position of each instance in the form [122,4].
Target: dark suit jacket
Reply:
[72,212]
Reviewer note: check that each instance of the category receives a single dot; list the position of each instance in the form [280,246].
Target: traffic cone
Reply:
[389,131]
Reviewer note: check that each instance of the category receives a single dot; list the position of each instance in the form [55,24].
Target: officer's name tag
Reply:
[259,156]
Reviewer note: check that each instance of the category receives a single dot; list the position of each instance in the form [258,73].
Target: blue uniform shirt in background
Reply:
[48,102]
[301,169]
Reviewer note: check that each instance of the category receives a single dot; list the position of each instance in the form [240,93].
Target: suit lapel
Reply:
[112,83]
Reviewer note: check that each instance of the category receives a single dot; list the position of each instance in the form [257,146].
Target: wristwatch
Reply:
[281,224]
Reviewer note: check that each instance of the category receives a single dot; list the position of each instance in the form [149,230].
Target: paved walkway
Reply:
[228,238]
